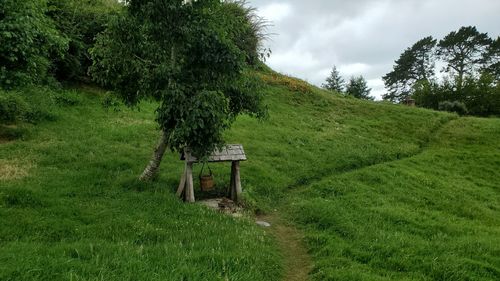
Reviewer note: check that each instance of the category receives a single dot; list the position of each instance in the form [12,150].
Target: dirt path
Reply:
[297,262]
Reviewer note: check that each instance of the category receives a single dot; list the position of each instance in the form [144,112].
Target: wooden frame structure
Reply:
[233,153]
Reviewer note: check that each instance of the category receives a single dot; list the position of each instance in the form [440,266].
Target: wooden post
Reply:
[189,183]
[232,193]
[182,184]
[235,179]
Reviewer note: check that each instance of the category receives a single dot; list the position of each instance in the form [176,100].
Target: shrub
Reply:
[79,21]
[453,106]
[28,38]
[12,108]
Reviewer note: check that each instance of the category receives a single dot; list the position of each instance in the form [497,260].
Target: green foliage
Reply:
[481,97]
[358,88]
[472,66]
[246,29]
[79,21]
[12,108]
[415,64]
[463,52]
[17,107]
[453,106]
[492,59]
[334,82]
[28,40]
[190,62]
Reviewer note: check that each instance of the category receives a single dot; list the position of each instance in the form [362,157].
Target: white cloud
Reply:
[353,69]
[276,12]
[362,37]
[377,86]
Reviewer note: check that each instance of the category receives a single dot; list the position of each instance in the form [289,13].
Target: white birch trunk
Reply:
[151,170]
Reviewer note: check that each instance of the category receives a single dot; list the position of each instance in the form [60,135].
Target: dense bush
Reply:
[453,106]
[79,21]
[12,108]
[28,39]
[481,97]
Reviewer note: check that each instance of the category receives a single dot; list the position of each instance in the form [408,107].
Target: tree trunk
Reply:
[151,171]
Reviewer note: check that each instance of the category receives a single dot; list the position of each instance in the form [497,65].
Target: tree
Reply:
[492,59]
[463,52]
[414,65]
[334,82]
[28,39]
[357,87]
[185,57]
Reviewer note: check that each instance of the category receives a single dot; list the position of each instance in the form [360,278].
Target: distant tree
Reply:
[334,82]
[185,57]
[415,64]
[463,52]
[358,88]
[492,59]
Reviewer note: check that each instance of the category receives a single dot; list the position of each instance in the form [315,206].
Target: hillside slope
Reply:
[375,188]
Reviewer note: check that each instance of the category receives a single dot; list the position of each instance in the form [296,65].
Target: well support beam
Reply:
[235,181]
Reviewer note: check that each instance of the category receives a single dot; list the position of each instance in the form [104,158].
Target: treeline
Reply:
[469,79]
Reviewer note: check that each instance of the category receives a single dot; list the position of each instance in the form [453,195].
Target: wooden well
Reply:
[233,153]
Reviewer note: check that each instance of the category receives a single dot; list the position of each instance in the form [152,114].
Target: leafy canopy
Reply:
[79,21]
[414,65]
[185,57]
[462,51]
[28,38]
[492,59]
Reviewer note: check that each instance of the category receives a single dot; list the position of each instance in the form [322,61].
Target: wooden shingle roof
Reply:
[231,152]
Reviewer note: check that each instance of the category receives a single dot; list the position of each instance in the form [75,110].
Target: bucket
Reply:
[207,182]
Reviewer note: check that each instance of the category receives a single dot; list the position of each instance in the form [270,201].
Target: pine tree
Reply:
[492,59]
[463,51]
[334,82]
[358,88]
[416,64]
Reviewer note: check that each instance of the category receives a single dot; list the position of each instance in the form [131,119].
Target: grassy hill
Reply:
[379,191]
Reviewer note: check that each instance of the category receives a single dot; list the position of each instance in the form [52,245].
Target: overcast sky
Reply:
[362,37]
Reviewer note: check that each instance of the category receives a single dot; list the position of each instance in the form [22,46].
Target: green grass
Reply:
[434,216]
[75,210]
[381,192]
